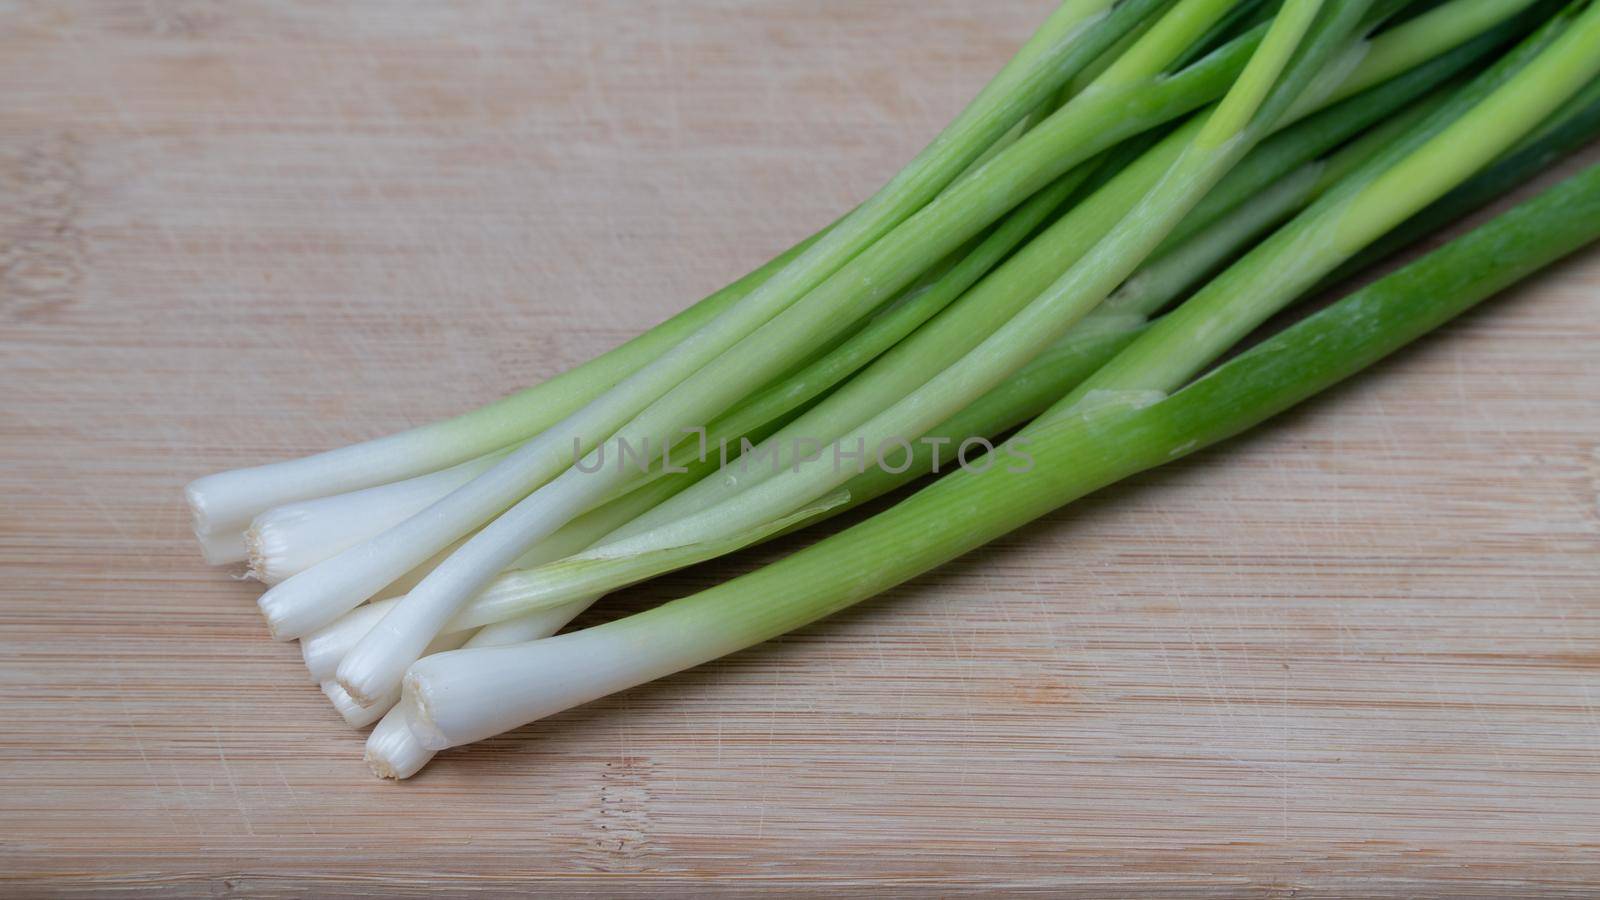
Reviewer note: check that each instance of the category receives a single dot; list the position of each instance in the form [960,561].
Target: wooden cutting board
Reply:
[1353,652]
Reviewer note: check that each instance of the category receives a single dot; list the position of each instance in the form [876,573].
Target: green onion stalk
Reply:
[527,591]
[1180,80]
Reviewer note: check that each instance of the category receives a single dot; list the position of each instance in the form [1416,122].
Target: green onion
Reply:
[1215,158]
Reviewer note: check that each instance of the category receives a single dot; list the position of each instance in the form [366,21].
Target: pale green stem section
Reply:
[1103,62]
[1174,270]
[1451,23]
[1575,125]
[1341,112]
[600,569]
[1395,50]
[1167,276]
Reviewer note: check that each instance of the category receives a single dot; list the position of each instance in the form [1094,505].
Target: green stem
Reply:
[1026,394]
[1395,50]
[1579,125]
[1315,134]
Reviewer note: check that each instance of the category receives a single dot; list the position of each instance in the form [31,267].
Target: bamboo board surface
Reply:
[1357,651]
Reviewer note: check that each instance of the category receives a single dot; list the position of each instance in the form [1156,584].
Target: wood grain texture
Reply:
[1352,653]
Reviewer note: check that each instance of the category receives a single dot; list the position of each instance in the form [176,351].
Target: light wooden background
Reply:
[1355,652]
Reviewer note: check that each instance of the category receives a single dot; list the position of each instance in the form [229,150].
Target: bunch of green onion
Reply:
[1134,194]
